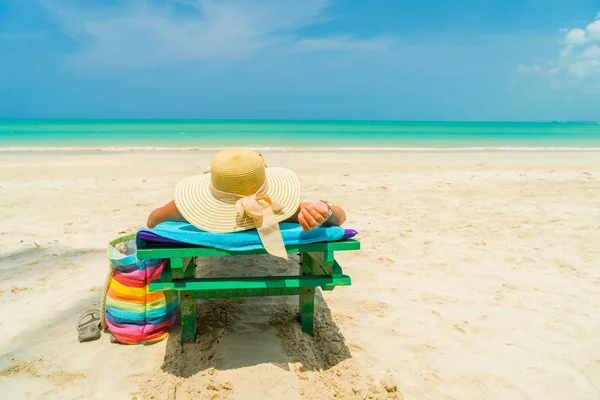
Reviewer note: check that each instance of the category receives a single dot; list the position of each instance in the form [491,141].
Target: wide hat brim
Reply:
[197,204]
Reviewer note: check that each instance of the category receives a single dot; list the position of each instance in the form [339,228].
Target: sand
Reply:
[479,278]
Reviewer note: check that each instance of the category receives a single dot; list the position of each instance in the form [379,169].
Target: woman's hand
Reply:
[313,215]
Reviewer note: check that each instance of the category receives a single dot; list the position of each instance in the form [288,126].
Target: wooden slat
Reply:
[234,293]
[247,283]
[155,251]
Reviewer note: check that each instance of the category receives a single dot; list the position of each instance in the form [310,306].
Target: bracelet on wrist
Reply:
[329,208]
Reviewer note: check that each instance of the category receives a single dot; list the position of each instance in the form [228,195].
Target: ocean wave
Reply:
[298,149]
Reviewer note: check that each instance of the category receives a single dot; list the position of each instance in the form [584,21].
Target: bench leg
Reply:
[188,306]
[307,310]
[307,299]
[188,317]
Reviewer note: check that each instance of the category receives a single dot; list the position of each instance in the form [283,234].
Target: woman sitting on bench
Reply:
[241,193]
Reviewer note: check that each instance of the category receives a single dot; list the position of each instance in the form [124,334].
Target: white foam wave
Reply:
[295,149]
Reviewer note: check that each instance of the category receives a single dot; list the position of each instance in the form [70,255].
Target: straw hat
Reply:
[211,201]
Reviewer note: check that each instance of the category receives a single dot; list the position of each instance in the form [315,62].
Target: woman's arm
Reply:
[308,215]
[168,212]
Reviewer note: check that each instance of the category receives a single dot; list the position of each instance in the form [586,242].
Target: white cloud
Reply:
[578,59]
[576,37]
[343,43]
[579,36]
[592,52]
[528,69]
[566,52]
[144,34]
[585,68]
[593,30]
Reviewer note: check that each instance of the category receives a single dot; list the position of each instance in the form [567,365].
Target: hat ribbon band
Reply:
[261,208]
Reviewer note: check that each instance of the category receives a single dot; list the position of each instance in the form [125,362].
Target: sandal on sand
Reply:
[89,325]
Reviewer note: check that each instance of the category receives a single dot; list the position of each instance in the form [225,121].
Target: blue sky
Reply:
[304,59]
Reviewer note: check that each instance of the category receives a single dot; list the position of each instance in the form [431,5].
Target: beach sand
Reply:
[478,278]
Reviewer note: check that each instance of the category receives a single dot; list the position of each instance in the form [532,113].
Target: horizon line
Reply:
[289,120]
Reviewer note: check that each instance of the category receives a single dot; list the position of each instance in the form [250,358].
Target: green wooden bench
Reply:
[318,268]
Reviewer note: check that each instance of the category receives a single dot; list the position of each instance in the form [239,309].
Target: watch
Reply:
[329,208]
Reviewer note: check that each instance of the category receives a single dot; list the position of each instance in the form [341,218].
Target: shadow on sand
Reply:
[236,333]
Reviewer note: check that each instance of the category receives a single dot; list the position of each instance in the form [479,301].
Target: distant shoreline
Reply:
[326,149]
[292,120]
[280,121]
[144,135]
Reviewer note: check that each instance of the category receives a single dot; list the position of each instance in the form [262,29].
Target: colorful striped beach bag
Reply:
[132,313]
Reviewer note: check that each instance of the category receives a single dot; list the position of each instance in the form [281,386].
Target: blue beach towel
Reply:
[292,234]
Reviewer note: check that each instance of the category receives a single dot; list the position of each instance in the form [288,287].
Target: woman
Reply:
[241,193]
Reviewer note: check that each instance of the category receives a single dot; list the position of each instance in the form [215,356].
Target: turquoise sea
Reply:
[59,133]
